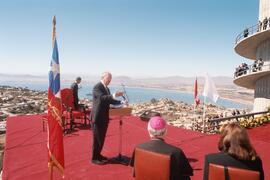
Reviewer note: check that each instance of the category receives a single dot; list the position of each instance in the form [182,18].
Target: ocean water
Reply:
[135,94]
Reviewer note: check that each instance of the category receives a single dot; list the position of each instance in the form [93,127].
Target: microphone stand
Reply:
[125,93]
[120,159]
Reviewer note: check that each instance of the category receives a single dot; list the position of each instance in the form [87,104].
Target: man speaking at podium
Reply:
[102,98]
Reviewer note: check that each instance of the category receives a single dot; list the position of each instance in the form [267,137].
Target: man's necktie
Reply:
[107,89]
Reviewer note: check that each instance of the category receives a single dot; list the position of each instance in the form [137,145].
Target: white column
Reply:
[263,51]
[262,94]
[264,9]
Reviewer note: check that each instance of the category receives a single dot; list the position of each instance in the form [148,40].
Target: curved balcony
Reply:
[247,78]
[247,41]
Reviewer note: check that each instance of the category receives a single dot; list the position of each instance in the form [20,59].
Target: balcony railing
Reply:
[251,69]
[259,27]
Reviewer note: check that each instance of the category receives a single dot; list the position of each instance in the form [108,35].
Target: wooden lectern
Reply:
[125,111]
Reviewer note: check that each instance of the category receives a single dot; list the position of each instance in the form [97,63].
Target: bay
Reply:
[135,94]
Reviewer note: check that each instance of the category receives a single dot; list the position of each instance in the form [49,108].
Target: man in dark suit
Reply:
[179,167]
[74,87]
[102,98]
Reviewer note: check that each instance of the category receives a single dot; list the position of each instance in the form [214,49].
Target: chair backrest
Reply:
[236,173]
[151,165]
[218,172]
[67,98]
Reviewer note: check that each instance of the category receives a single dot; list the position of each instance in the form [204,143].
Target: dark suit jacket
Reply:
[75,88]
[179,167]
[101,104]
[227,160]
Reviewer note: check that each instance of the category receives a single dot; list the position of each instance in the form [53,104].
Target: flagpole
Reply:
[204,101]
[51,172]
[195,95]
[55,129]
[54,29]
[53,38]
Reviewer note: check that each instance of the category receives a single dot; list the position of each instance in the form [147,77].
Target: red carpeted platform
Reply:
[26,153]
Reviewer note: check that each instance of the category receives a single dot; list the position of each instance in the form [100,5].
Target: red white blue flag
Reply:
[55,125]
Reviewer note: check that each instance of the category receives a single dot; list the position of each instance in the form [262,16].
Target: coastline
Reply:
[231,94]
[224,96]
[241,101]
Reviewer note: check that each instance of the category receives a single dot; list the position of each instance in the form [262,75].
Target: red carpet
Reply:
[26,153]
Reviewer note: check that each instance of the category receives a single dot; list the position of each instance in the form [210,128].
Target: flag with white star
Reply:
[55,125]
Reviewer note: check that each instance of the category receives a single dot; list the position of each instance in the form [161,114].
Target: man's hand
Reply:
[119,93]
[124,103]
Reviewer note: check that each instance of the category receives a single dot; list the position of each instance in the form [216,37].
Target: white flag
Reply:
[210,90]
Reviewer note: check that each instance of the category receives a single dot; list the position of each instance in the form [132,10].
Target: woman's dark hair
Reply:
[234,140]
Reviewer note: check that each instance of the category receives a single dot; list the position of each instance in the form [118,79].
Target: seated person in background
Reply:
[233,113]
[235,151]
[236,72]
[246,32]
[179,166]
[74,87]
[220,115]
[259,26]
[255,66]
[265,22]
[245,68]
[260,64]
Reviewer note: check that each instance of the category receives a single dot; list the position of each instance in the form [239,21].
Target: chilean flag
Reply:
[197,100]
[55,125]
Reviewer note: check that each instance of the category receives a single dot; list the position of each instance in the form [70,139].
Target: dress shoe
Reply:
[103,158]
[98,162]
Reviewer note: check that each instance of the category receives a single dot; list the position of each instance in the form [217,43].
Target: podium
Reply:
[121,112]
[125,111]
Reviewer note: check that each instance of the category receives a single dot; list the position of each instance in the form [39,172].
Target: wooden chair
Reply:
[69,112]
[219,172]
[151,165]
[216,172]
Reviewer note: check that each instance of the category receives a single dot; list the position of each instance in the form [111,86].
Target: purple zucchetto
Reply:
[157,123]
[157,126]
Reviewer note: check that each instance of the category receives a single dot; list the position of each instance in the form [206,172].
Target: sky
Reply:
[134,38]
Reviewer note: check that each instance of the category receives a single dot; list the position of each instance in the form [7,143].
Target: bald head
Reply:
[106,77]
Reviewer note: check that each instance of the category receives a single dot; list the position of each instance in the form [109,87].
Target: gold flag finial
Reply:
[54,28]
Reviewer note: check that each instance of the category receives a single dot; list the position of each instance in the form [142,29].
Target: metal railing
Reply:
[216,121]
[259,27]
[251,69]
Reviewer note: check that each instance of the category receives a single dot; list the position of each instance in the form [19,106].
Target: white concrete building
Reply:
[254,43]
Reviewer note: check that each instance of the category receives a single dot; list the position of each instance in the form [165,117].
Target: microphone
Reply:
[125,93]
